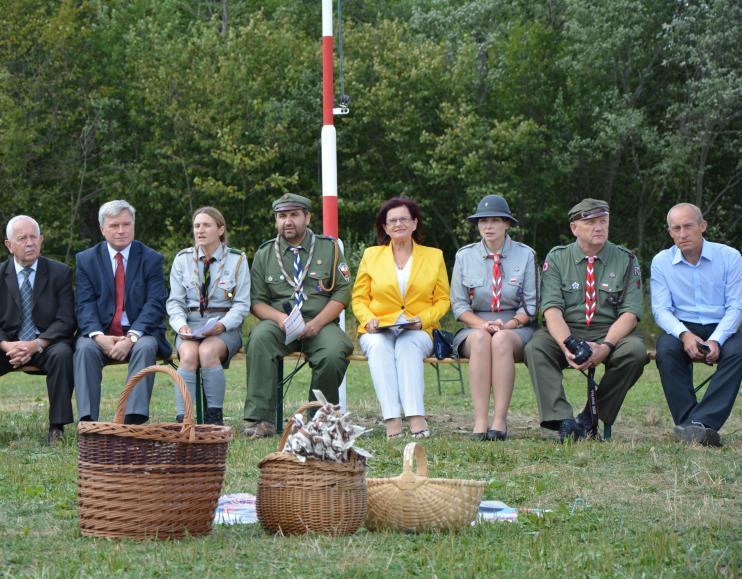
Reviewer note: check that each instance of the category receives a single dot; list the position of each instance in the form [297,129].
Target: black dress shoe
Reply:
[179,419]
[214,416]
[56,431]
[570,430]
[135,419]
[85,418]
[497,435]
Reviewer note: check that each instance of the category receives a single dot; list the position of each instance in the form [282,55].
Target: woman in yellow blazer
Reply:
[400,293]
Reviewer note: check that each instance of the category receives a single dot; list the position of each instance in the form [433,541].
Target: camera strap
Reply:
[591,407]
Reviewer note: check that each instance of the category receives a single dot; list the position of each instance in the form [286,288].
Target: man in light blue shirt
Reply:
[696,300]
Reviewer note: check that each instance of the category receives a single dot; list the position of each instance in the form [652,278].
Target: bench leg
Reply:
[279,399]
[200,398]
[606,431]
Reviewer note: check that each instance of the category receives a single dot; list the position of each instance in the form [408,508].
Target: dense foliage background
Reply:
[172,104]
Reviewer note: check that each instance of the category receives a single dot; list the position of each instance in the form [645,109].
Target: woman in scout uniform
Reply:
[400,282]
[493,291]
[208,281]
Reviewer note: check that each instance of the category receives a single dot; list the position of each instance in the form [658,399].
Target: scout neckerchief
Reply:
[296,281]
[591,303]
[207,288]
[496,280]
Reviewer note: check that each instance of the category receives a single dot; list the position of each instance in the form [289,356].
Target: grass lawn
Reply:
[640,505]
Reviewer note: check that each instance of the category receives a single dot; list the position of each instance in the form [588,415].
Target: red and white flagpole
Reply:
[328,135]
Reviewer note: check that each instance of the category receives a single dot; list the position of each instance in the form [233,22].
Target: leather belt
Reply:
[222,310]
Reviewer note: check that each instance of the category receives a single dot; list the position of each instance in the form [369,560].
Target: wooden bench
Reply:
[455,363]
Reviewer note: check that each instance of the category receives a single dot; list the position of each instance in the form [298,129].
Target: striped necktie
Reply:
[591,303]
[496,280]
[28,329]
[298,294]
[203,298]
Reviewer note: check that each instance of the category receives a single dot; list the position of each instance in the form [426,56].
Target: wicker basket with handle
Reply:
[159,480]
[413,502]
[316,496]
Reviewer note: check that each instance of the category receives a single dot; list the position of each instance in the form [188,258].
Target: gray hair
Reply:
[113,208]
[696,211]
[16,219]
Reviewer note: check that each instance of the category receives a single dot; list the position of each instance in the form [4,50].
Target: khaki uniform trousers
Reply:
[327,353]
[546,362]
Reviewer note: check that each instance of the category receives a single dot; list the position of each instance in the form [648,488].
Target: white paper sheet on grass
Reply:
[239,509]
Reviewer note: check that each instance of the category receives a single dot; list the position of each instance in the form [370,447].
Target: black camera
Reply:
[579,349]
[703,348]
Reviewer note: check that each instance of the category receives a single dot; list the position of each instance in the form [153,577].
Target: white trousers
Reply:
[396,366]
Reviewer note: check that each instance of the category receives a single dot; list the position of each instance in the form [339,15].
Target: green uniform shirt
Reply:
[269,285]
[563,283]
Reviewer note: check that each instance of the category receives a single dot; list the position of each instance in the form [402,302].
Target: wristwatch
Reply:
[40,346]
[133,337]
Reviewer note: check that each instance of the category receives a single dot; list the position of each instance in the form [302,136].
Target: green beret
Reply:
[588,209]
[291,201]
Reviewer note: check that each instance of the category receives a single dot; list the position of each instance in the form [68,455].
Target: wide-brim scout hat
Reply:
[291,201]
[492,206]
[589,209]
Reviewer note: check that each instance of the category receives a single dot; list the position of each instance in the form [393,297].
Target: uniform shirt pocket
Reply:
[318,276]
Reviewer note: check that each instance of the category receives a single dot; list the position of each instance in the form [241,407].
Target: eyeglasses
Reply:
[399,221]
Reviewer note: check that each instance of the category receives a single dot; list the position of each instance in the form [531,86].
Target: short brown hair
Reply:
[217,216]
[381,237]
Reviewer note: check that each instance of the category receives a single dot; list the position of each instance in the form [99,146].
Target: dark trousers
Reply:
[56,362]
[676,373]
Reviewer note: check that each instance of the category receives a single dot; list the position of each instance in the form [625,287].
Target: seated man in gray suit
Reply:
[120,306]
[37,318]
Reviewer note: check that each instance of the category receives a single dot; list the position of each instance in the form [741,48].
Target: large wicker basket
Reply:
[413,502]
[316,496]
[158,480]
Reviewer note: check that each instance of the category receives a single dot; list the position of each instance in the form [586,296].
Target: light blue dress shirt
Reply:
[705,293]
[21,277]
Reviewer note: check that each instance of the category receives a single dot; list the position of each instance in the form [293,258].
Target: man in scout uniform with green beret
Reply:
[297,268]
[591,290]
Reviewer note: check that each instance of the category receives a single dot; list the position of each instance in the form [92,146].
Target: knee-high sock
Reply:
[190,379]
[214,385]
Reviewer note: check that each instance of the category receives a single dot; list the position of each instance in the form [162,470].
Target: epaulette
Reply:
[322,236]
[466,247]
[236,251]
[186,250]
[558,247]
[267,242]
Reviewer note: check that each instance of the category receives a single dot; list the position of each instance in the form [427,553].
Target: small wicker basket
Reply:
[413,502]
[316,496]
[158,480]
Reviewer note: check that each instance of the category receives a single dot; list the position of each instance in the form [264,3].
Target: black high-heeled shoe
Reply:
[497,435]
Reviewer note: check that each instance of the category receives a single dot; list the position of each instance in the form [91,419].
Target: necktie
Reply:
[115,328]
[496,280]
[591,302]
[28,330]
[298,294]
[203,300]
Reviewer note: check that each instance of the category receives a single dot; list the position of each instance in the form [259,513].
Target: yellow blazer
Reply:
[376,292]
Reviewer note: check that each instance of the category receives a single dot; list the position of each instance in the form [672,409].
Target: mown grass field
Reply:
[640,505]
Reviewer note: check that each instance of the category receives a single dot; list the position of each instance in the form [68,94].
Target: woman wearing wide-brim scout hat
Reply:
[493,291]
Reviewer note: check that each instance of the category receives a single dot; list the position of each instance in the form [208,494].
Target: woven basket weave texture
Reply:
[316,496]
[159,480]
[413,502]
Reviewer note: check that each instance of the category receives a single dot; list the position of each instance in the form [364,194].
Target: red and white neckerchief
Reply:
[591,303]
[496,280]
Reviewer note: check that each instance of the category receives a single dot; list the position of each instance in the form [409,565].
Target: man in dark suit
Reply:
[120,306]
[37,318]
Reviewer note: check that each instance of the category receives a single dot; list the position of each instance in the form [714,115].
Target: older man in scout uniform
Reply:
[296,268]
[591,290]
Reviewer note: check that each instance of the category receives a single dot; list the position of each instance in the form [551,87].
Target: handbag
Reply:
[443,344]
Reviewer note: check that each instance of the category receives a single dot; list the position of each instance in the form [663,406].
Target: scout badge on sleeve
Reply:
[344,271]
